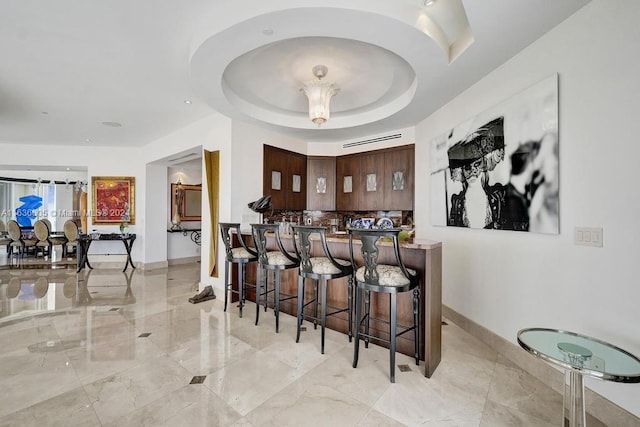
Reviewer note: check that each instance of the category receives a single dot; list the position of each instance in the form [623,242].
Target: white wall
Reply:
[506,281]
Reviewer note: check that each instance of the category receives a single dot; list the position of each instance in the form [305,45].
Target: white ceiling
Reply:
[69,66]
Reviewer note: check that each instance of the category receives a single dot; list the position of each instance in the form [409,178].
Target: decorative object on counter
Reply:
[206,294]
[500,169]
[261,205]
[384,223]
[319,93]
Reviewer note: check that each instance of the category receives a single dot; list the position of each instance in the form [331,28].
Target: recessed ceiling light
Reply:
[428,3]
[87,140]
[187,101]
[68,169]
[112,124]
[267,31]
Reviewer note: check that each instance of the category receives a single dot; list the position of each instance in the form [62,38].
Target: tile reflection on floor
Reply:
[73,353]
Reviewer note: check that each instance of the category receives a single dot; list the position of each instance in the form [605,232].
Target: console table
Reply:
[85,240]
[580,355]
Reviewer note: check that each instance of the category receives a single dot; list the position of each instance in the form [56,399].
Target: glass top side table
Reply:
[580,355]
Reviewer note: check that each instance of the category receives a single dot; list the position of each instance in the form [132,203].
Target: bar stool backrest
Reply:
[225,229]
[303,248]
[370,239]
[46,221]
[260,240]
[3,227]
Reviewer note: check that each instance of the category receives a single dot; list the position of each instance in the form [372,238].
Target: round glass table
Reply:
[579,355]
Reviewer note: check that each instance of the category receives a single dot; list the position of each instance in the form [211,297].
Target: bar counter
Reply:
[424,256]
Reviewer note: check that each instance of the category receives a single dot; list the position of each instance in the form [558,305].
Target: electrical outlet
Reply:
[588,236]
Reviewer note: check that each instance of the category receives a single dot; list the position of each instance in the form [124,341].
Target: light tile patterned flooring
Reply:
[73,355]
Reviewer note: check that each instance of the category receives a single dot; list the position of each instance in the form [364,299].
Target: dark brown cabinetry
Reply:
[369,181]
[321,183]
[381,180]
[285,178]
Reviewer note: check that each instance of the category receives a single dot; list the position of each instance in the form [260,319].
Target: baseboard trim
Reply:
[598,406]
[186,260]
[153,265]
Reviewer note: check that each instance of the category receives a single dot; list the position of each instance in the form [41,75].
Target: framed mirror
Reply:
[192,202]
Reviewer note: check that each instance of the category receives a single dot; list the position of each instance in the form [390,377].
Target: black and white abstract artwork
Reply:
[499,170]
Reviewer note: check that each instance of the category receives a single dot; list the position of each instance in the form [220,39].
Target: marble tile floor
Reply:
[106,349]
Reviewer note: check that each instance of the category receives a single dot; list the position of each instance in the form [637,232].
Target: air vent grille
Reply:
[371,141]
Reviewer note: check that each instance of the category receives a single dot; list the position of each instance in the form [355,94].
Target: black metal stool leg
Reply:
[392,337]
[258,291]
[356,343]
[240,286]
[350,306]
[276,298]
[226,284]
[315,306]
[416,324]
[300,306]
[323,293]
[367,307]
[266,288]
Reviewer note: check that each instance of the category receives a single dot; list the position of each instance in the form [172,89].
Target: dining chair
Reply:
[17,240]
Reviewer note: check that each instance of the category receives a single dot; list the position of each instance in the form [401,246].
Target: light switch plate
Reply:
[588,236]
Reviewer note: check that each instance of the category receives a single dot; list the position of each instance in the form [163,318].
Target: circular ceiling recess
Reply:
[375,59]
[265,83]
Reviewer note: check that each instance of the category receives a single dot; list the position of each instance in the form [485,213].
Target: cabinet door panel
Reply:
[347,166]
[296,196]
[399,179]
[321,183]
[372,176]
[274,176]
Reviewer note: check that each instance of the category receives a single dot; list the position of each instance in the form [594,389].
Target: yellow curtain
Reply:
[212,166]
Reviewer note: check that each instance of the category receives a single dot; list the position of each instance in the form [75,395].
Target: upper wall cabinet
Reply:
[321,183]
[285,178]
[399,165]
[376,180]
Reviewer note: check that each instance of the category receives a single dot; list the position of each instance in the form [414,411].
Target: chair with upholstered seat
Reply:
[17,240]
[384,279]
[71,233]
[271,260]
[5,240]
[320,269]
[241,255]
[56,239]
[41,232]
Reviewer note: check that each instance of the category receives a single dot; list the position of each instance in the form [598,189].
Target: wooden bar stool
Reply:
[275,261]
[241,255]
[320,269]
[387,279]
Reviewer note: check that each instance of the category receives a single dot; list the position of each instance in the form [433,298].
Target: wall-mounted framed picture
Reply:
[275,180]
[296,183]
[113,199]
